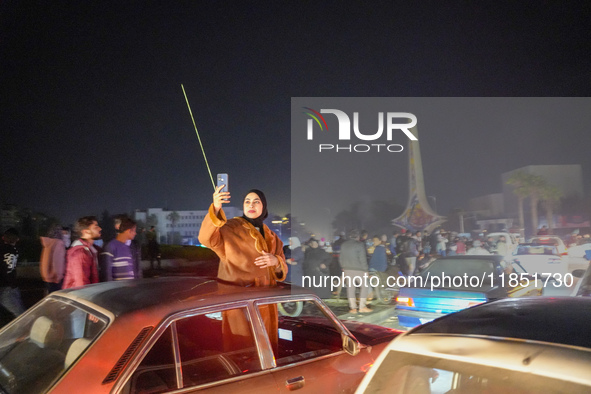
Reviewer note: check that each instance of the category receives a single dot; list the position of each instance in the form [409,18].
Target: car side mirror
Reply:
[350,345]
[578,273]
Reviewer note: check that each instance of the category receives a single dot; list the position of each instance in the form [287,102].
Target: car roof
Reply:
[126,296]
[496,257]
[558,320]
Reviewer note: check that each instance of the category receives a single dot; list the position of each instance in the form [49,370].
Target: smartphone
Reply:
[223,180]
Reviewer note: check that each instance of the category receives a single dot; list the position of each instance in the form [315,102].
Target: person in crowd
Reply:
[82,257]
[477,249]
[543,230]
[452,249]
[353,260]
[10,295]
[136,248]
[400,241]
[119,261]
[153,248]
[316,262]
[52,263]
[295,260]
[393,245]
[250,253]
[460,245]
[501,247]
[490,245]
[408,253]
[363,237]
[66,237]
[434,240]
[441,244]
[426,243]
[379,259]
[572,238]
[418,237]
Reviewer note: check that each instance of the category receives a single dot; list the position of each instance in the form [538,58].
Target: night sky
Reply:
[92,114]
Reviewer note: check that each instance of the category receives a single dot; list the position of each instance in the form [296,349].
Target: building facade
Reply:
[178,227]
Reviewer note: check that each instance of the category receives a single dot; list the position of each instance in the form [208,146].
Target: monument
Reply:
[418,215]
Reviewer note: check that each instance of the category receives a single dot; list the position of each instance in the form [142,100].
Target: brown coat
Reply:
[237,243]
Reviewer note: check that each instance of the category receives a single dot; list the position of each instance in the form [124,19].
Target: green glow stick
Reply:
[199,138]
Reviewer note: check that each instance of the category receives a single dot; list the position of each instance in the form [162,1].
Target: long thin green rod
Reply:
[199,138]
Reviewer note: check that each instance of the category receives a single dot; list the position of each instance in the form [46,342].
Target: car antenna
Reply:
[199,138]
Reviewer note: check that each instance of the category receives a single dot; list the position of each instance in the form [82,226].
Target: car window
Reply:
[537,250]
[51,337]
[303,331]
[404,373]
[212,347]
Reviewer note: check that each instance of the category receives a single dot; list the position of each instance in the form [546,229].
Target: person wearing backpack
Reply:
[409,252]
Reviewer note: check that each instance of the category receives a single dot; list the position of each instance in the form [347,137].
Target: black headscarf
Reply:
[258,222]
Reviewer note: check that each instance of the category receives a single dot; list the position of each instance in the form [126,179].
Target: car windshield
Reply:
[537,250]
[43,343]
[459,267]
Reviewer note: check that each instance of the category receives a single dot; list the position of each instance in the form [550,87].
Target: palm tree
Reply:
[536,185]
[528,185]
[550,196]
[519,180]
[173,217]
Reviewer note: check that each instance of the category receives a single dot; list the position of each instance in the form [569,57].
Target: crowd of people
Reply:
[65,264]
[403,253]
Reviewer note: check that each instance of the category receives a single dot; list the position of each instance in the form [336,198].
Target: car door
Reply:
[215,350]
[308,350]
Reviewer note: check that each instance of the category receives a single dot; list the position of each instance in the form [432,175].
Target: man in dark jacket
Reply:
[353,259]
[316,262]
[10,296]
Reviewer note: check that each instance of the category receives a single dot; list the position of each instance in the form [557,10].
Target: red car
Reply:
[171,334]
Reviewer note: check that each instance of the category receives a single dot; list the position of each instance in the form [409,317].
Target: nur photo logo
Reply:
[389,126]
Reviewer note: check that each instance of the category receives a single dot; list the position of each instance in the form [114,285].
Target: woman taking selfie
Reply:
[250,254]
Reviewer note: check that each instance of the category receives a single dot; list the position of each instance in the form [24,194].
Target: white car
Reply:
[525,345]
[550,240]
[510,240]
[580,250]
[540,259]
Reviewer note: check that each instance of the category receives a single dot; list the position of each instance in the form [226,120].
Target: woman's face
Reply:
[253,206]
